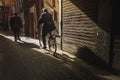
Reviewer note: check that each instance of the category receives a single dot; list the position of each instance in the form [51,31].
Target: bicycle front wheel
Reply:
[52,45]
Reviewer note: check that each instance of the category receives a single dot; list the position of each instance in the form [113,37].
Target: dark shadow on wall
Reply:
[89,57]
[89,7]
[98,11]
[85,54]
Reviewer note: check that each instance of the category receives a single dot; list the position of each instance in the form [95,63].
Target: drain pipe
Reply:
[60,22]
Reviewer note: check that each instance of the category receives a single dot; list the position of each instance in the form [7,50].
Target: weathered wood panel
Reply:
[78,27]
[83,26]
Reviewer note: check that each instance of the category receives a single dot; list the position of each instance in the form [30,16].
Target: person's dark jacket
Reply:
[48,23]
[17,22]
[12,22]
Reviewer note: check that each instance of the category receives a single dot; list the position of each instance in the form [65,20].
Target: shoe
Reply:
[15,40]
[19,39]
[43,47]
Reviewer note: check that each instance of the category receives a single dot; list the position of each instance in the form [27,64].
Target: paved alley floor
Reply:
[24,60]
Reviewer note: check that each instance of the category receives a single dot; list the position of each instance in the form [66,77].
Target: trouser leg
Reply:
[44,41]
[18,35]
[15,35]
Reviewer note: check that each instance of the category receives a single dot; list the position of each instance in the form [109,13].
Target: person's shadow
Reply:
[28,45]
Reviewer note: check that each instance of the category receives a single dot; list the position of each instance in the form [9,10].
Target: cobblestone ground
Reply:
[19,61]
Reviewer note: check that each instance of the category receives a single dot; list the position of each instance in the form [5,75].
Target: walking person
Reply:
[12,22]
[16,24]
[48,25]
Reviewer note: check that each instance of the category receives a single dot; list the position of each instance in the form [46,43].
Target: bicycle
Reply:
[52,44]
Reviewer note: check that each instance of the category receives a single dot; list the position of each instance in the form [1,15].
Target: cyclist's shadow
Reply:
[28,45]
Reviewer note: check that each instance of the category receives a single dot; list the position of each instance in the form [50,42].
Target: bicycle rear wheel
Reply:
[40,43]
[40,40]
[39,36]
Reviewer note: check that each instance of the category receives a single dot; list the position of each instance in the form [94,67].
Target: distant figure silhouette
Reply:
[16,24]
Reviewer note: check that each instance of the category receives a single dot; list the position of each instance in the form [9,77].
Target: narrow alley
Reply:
[86,44]
[18,61]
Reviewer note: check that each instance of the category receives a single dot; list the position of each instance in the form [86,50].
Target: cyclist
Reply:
[48,25]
